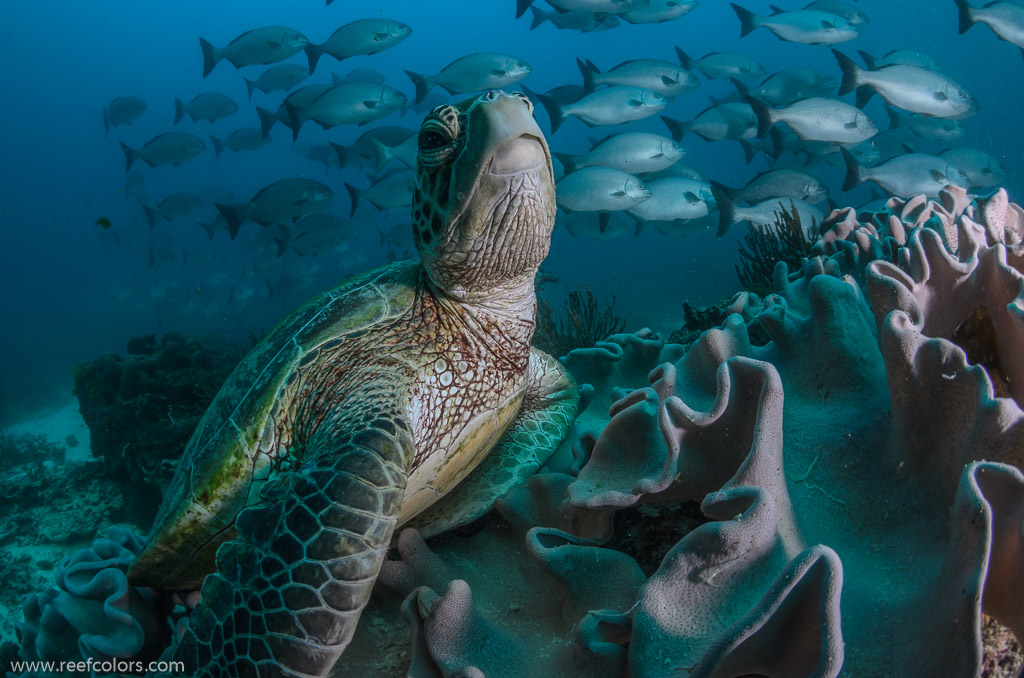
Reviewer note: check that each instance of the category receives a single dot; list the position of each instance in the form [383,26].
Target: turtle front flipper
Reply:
[288,592]
[549,408]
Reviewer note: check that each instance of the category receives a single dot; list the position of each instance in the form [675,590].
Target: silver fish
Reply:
[675,199]
[664,77]
[606,106]
[599,6]
[266,45]
[122,111]
[278,78]
[806,26]
[299,99]
[177,205]
[473,73]
[911,88]
[982,169]
[316,233]
[717,123]
[905,57]
[283,200]
[764,213]
[599,189]
[937,129]
[632,152]
[857,18]
[660,11]
[170,148]
[350,103]
[723,66]
[392,191]
[816,119]
[1006,19]
[405,152]
[365,36]
[906,175]
[792,84]
[585,22]
[244,139]
[781,183]
[211,106]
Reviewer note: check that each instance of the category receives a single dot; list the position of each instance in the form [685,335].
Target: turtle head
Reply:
[484,203]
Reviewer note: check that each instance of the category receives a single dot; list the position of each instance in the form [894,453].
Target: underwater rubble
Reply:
[858,479]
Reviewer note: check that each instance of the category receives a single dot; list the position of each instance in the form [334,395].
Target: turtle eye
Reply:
[431,140]
[526,101]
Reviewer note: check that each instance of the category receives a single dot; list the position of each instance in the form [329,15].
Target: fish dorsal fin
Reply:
[776,10]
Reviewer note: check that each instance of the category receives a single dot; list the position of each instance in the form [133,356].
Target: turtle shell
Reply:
[233,450]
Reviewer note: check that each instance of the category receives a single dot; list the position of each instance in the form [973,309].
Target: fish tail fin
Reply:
[218,145]
[522,6]
[677,128]
[539,17]
[295,118]
[422,86]
[568,161]
[966,14]
[778,142]
[106,123]
[383,154]
[894,117]
[868,60]
[210,56]
[209,228]
[588,70]
[684,59]
[762,112]
[726,208]
[234,215]
[750,149]
[150,215]
[179,110]
[249,85]
[748,20]
[313,53]
[554,110]
[130,156]
[854,171]
[353,194]
[267,120]
[342,152]
[864,95]
[851,73]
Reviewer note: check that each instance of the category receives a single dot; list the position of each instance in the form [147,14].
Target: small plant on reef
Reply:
[585,323]
[762,248]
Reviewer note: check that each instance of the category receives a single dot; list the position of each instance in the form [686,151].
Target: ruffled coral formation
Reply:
[858,474]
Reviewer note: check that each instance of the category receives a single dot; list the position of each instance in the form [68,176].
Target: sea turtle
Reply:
[366,406]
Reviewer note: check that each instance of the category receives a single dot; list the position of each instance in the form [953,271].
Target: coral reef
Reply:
[142,408]
[861,503]
[584,324]
[762,248]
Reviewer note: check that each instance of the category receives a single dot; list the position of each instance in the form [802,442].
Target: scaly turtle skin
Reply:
[409,384]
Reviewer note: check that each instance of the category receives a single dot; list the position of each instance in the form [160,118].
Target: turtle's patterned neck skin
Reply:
[484,203]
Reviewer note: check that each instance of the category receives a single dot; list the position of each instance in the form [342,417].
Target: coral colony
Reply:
[858,476]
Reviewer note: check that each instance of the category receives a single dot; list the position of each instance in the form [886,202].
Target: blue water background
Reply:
[73,290]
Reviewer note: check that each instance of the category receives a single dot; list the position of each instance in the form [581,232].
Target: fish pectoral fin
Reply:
[273,44]
[937,175]
[665,80]
[370,103]
[828,25]
[498,71]
[851,125]
[691,197]
[635,103]
[941,96]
